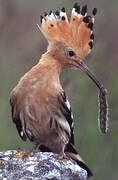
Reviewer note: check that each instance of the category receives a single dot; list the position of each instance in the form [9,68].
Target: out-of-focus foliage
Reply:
[21,45]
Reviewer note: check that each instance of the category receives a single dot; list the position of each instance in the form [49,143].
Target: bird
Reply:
[40,107]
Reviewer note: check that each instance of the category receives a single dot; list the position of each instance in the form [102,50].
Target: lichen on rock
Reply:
[38,166]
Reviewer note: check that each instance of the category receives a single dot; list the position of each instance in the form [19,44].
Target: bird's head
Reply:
[70,42]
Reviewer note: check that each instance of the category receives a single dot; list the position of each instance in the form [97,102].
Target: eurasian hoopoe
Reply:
[40,108]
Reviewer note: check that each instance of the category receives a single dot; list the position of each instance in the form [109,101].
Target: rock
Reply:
[38,166]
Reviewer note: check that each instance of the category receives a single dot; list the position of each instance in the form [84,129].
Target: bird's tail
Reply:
[72,153]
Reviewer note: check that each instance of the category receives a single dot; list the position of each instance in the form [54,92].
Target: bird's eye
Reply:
[71,53]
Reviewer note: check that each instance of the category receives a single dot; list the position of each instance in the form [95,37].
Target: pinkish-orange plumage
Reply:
[40,108]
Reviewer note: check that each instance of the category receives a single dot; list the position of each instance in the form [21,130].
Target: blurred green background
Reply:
[21,45]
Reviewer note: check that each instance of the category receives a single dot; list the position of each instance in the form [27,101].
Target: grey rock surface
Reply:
[38,166]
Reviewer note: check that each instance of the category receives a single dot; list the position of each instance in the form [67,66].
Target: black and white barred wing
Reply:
[65,109]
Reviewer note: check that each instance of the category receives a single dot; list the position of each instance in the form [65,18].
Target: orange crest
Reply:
[77,33]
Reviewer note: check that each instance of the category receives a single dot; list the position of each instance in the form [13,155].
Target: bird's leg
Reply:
[62,154]
[35,149]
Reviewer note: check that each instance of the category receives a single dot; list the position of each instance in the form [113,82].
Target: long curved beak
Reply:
[83,67]
[103,117]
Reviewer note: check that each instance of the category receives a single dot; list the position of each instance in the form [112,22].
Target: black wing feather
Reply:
[17,121]
[66,111]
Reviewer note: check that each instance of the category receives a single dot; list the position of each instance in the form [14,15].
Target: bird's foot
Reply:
[28,153]
[61,157]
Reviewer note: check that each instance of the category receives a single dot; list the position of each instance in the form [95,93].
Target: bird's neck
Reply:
[50,63]
[47,71]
